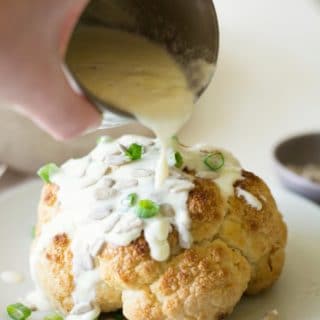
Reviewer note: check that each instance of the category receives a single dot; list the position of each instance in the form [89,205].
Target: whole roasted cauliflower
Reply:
[237,236]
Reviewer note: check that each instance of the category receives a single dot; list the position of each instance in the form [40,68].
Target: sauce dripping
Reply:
[138,76]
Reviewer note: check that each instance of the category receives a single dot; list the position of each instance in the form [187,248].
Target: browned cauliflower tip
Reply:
[237,249]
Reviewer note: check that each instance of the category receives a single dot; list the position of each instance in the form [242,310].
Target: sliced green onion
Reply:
[53,316]
[104,139]
[178,159]
[147,209]
[47,171]
[18,311]
[134,152]
[214,161]
[175,159]
[132,199]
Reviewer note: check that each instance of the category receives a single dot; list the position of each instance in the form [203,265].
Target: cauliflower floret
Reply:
[237,249]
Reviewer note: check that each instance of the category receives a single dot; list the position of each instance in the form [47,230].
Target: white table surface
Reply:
[267,84]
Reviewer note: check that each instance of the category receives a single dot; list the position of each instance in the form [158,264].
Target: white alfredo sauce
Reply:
[251,200]
[94,207]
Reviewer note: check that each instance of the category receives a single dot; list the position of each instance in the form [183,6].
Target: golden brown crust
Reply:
[207,210]
[109,299]
[266,271]
[50,195]
[237,249]
[256,233]
[203,282]
[55,273]
[131,266]
[47,208]
[141,304]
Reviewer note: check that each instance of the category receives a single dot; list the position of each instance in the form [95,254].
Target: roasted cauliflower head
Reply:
[213,234]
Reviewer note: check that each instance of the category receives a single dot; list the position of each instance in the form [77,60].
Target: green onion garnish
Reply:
[132,199]
[175,159]
[53,316]
[47,171]
[103,139]
[214,161]
[18,311]
[178,159]
[134,152]
[147,209]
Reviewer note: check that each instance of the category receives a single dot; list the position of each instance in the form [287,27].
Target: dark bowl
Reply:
[299,150]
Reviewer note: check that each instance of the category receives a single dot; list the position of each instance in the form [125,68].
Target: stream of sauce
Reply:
[136,75]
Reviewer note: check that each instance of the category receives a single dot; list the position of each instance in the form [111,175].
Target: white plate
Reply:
[296,296]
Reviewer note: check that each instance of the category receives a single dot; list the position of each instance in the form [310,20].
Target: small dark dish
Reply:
[301,151]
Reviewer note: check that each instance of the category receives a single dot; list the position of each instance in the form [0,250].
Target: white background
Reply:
[267,84]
